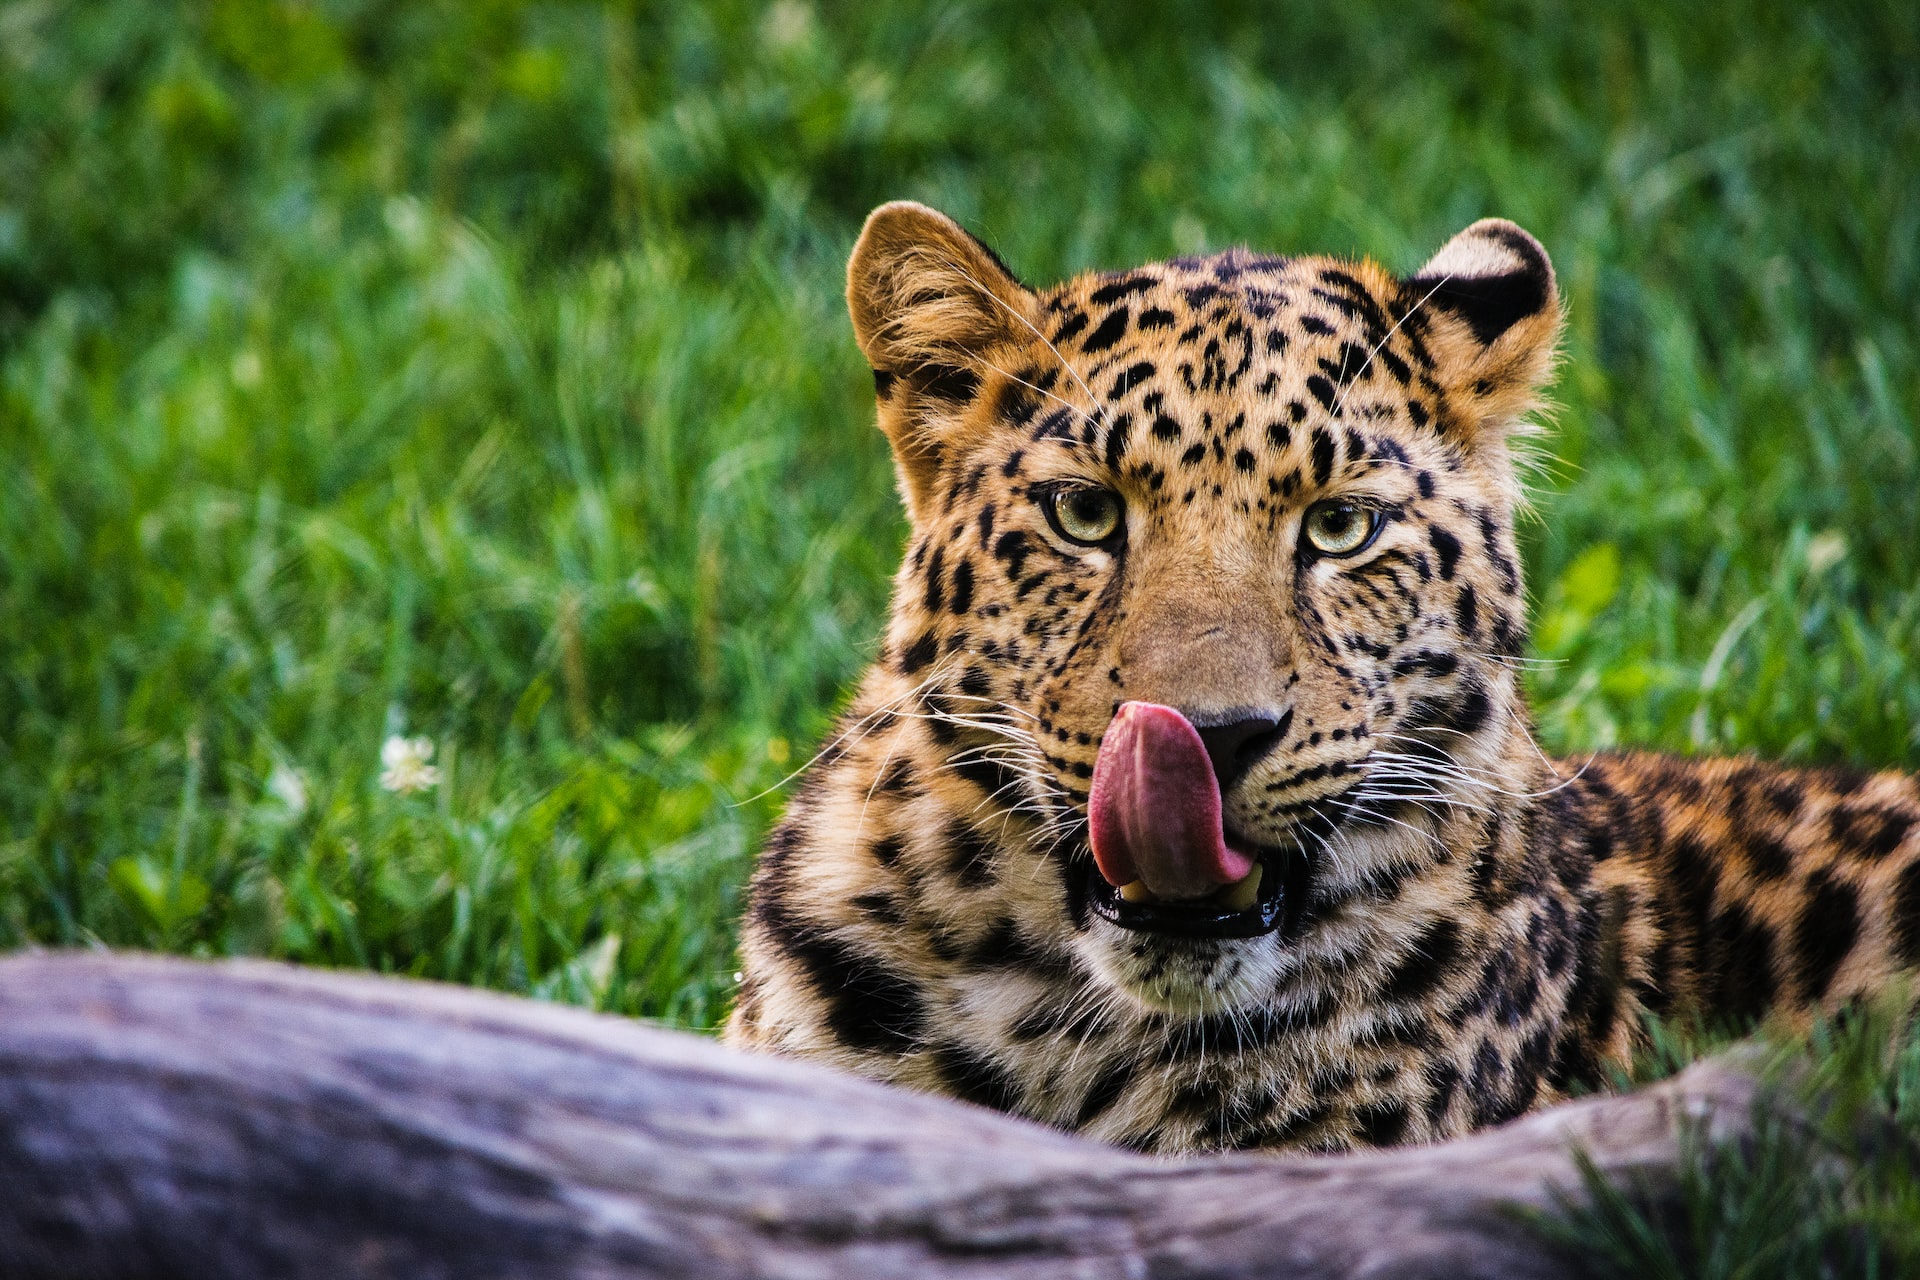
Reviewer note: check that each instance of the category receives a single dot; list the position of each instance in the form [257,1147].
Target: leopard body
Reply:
[1480,929]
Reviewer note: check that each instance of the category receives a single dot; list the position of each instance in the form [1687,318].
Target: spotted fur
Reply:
[1481,929]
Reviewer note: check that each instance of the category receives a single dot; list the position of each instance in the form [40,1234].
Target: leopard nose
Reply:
[1238,745]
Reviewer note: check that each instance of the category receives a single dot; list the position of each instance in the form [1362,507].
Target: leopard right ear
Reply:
[1496,324]
[930,304]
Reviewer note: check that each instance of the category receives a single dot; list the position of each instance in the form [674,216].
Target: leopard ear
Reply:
[1493,320]
[929,304]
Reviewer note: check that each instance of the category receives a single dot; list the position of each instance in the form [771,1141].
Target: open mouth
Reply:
[1263,901]
[1163,861]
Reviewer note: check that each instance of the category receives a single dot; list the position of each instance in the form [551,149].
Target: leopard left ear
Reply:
[931,306]
[1493,320]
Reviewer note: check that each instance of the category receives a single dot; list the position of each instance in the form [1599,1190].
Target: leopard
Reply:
[1193,801]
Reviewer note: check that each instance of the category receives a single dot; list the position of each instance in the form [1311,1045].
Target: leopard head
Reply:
[1233,527]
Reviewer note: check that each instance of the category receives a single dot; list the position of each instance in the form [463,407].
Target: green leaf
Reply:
[1591,581]
[162,902]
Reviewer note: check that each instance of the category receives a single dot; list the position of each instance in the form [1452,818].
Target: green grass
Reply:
[1826,1182]
[478,371]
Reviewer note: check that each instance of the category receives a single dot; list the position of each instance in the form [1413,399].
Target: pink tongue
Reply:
[1155,807]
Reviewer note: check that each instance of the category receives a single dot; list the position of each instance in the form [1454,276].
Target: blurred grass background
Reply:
[477,371]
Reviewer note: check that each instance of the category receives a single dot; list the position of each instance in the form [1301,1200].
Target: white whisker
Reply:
[968,276]
[1068,404]
[852,734]
[1340,402]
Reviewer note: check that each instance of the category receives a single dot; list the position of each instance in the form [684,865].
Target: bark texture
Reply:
[165,1118]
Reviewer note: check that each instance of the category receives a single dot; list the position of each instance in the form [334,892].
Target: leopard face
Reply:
[1273,494]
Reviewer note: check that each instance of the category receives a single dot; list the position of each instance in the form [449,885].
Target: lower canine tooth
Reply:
[1136,891]
[1242,894]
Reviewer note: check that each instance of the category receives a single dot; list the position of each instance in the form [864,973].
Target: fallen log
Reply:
[166,1118]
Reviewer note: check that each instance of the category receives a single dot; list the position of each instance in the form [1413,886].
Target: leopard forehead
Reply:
[1234,377]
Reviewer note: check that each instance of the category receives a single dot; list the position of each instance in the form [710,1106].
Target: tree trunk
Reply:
[163,1118]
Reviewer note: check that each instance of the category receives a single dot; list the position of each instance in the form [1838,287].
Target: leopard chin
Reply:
[1185,976]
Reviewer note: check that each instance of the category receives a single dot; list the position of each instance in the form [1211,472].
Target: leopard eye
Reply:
[1084,514]
[1338,527]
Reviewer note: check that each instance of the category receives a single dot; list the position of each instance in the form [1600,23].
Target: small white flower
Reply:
[286,785]
[1825,550]
[406,764]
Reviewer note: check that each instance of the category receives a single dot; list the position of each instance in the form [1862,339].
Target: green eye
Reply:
[1083,513]
[1337,527]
